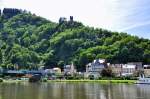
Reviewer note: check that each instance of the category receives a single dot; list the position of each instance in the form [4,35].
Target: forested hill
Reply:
[29,41]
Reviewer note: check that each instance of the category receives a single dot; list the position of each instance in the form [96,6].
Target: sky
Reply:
[131,16]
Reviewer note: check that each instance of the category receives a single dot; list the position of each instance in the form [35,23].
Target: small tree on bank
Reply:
[107,72]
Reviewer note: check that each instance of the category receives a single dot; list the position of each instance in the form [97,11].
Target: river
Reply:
[58,90]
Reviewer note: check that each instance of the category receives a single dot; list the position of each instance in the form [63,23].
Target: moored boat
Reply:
[143,80]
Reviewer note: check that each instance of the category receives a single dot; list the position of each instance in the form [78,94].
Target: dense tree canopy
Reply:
[27,40]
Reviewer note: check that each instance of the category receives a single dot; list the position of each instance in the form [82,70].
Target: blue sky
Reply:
[132,16]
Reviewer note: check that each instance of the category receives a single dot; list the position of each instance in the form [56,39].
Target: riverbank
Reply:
[99,81]
[93,81]
[14,81]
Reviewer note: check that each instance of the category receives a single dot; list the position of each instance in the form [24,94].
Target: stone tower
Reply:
[71,18]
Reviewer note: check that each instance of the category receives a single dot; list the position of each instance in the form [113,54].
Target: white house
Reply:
[147,70]
[139,65]
[69,69]
[116,69]
[128,69]
[52,71]
[95,67]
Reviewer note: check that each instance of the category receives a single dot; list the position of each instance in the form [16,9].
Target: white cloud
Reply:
[92,12]
[110,14]
[135,26]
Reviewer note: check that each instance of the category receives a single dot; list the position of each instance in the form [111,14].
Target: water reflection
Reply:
[73,91]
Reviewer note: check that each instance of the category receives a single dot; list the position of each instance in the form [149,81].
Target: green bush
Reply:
[44,80]
[118,78]
[69,77]
[35,78]
[1,80]
[91,77]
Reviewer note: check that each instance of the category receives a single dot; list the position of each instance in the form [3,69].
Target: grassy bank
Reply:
[13,81]
[100,81]
[93,81]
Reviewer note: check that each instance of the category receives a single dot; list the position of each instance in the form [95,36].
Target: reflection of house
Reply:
[128,69]
[95,67]
[69,69]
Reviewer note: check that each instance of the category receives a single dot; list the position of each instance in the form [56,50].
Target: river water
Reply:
[58,90]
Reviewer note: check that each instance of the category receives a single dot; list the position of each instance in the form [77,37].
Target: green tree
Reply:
[107,72]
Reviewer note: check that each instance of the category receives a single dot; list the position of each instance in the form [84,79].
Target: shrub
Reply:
[91,77]
[1,80]
[35,78]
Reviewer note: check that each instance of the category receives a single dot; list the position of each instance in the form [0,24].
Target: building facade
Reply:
[147,70]
[138,65]
[70,69]
[116,69]
[128,70]
[95,67]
